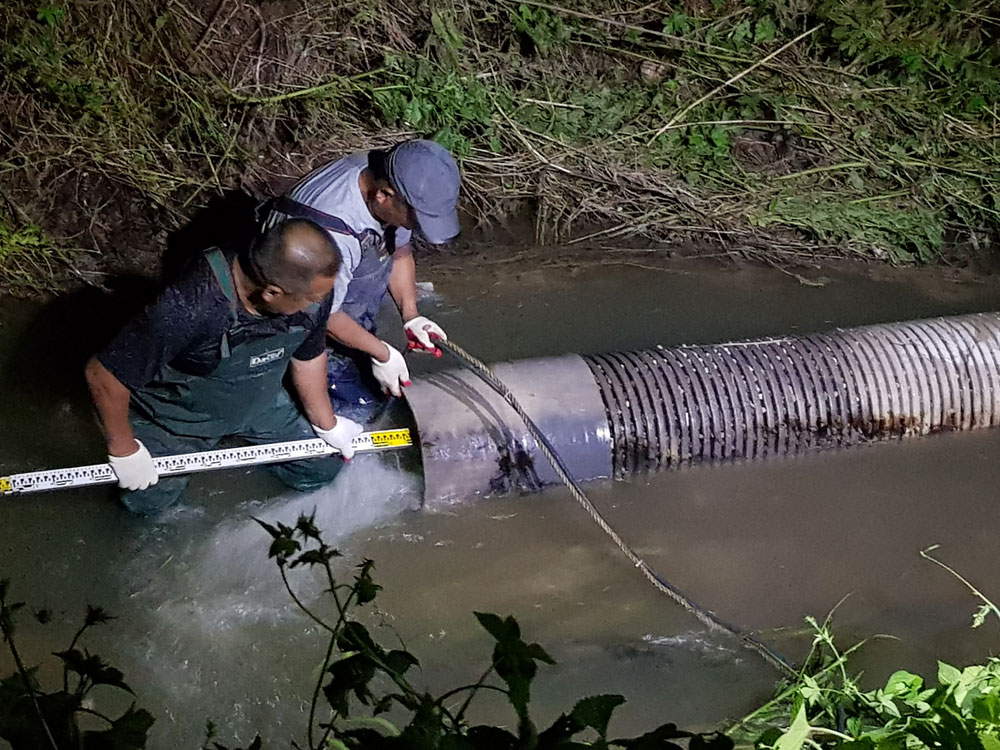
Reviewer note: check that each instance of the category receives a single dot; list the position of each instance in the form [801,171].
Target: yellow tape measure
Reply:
[391,438]
[188,463]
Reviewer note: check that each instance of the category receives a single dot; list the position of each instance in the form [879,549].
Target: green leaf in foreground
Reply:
[595,711]
[797,733]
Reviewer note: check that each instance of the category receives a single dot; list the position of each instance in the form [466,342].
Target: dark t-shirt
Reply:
[184,328]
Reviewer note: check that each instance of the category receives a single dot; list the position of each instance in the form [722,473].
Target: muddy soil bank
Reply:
[125,247]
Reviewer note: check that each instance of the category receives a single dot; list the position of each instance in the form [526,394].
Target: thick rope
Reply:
[661,584]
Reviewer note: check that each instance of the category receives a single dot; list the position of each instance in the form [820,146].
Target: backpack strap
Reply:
[296,210]
[223,274]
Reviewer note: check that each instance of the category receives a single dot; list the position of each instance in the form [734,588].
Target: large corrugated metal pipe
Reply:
[635,412]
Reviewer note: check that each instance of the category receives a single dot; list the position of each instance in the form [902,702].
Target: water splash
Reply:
[218,620]
[703,643]
[234,560]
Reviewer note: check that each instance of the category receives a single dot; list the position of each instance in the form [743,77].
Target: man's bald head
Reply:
[291,255]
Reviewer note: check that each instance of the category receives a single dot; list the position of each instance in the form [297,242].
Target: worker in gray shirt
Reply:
[370,202]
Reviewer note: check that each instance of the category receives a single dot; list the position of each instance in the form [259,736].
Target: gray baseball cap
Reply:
[426,175]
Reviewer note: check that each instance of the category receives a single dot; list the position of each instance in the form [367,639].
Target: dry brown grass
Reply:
[122,118]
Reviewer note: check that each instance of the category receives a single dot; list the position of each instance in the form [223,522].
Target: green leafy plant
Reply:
[355,702]
[827,707]
[51,15]
[32,718]
[545,30]
[452,105]
[40,58]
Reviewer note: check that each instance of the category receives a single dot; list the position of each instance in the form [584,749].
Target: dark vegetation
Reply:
[783,130]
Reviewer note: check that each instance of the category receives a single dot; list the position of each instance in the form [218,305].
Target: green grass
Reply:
[901,233]
[29,261]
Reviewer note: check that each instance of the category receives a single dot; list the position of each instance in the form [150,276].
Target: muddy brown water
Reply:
[204,631]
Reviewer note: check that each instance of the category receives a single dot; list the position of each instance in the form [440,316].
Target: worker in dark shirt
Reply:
[207,359]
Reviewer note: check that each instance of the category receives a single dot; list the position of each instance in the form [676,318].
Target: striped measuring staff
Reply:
[189,463]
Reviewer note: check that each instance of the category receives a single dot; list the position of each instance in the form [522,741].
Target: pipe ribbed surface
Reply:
[750,399]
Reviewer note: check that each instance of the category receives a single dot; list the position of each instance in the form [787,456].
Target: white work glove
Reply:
[420,335]
[340,436]
[392,373]
[135,471]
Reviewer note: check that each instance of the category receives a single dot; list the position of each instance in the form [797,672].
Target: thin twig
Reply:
[828,168]
[968,584]
[731,81]
[208,29]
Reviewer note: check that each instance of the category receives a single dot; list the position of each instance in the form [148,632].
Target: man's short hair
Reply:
[290,255]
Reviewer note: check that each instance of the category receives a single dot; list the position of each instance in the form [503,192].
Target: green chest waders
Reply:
[244,396]
[227,400]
